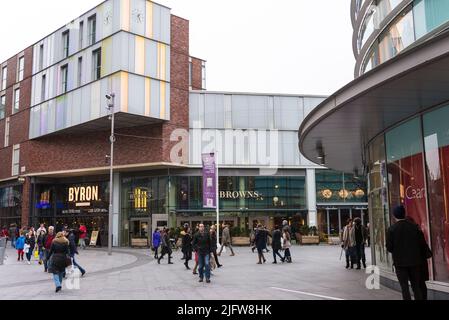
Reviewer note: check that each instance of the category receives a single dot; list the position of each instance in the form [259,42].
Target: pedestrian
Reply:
[166,246]
[58,262]
[187,246]
[286,227]
[20,245]
[261,243]
[406,243]
[30,244]
[226,240]
[213,242]
[252,239]
[156,242]
[368,235]
[348,244]
[82,236]
[203,247]
[360,240]
[13,234]
[40,242]
[4,234]
[287,245]
[74,251]
[276,244]
[41,228]
[48,240]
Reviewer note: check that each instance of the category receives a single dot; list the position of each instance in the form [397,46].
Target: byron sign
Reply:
[83,196]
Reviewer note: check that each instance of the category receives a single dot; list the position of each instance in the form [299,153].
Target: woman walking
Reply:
[276,244]
[187,246]
[166,247]
[156,242]
[30,243]
[287,246]
[58,262]
[40,242]
[74,251]
[261,243]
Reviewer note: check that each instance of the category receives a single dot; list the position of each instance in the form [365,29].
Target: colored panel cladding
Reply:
[140,55]
[124,88]
[163,99]
[149,20]
[125,14]
[147,97]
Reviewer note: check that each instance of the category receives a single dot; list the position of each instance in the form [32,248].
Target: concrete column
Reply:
[116,210]
[171,203]
[328,222]
[311,197]
[339,221]
[26,199]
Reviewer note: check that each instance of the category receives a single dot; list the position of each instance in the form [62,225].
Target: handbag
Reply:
[68,261]
[26,248]
[36,254]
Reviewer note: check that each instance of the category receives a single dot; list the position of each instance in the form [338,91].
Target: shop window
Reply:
[436,140]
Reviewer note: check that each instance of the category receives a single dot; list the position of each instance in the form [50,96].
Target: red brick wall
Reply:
[197,74]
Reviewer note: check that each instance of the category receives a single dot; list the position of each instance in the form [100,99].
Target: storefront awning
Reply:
[337,131]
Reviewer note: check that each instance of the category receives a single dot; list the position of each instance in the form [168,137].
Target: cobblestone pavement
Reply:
[315,274]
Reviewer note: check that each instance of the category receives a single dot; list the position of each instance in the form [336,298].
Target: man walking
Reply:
[48,240]
[202,245]
[226,240]
[360,240]
[406,242]
[13,234]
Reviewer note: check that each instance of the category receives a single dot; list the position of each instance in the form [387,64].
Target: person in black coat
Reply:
[59,252]
[360,240]
[261,243]
[203,247]
[187,246]
[276,244]
[74,251]
[166,246]
[213,241]
[406,242]
[30,240]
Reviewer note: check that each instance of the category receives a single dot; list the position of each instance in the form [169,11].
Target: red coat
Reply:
[4,233]
[83,232]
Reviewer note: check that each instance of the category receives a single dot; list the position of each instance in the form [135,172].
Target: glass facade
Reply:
[338,187]
[414,22]
[409,165]
[10,206]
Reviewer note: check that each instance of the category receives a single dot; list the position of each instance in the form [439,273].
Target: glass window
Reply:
[81,35]
[43,87]
[429,14]
[16,105]
[64,78]
[335,186]
[368,27]
[378,201]
[96,65]
[7,132]
[41,57]
[436,140]
[80,72]
[405,165]
[2,106]
[398,37]
[92,25]
[15,160]
[385,7]
[4,77]
[65,43]
[21,69]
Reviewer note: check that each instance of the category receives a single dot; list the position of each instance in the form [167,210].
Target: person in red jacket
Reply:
[83,234]
[4,234]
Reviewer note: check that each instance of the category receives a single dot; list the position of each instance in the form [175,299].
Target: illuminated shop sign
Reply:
[240,195]
[83,196]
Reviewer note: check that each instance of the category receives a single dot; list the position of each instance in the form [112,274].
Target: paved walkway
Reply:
[316,274]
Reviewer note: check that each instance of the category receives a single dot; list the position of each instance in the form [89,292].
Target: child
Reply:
[20,244]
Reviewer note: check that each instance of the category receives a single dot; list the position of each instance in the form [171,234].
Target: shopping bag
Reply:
[36,254]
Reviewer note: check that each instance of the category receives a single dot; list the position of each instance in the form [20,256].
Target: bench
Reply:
[139,243]
[240,241]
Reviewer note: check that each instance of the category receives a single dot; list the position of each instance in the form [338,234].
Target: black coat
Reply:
[187,243]
[58,257]
[261,239]
[72,245]
[202,243]
[213,241]
[31,241]
[407,244]
[276,243]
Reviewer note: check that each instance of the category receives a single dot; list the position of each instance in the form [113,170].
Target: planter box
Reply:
[241,241]
[139,243]
[310,240]
[334,241]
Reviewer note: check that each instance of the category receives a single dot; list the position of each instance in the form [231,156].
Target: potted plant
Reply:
[308,235]
[240,237]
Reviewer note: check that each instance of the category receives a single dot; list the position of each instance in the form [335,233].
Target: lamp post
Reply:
[111,108]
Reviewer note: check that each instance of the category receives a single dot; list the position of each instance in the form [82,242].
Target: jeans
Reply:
[360,253]
[82,243]
[46,256]
[41,254]
[226,245]
[204,263]
[276,253]
[75,264]
[414,275]
[13,242]
[29,254]
[57,278]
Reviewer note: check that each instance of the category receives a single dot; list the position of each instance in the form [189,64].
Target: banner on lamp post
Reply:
[209,181]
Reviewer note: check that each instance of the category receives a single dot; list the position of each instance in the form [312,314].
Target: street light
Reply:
[110,107]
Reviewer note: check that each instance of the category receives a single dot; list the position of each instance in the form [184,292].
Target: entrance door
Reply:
[139,232]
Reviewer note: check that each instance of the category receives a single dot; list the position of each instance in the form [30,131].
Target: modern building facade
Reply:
[55,128]
[391,123]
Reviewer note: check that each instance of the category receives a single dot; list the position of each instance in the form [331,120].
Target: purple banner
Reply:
[209,181]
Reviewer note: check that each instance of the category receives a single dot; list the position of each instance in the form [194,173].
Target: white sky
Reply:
[270,46]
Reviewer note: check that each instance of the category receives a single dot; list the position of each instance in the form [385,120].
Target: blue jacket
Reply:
[156,239]
[20,243]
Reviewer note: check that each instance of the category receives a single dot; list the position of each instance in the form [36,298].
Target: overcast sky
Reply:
[270,46]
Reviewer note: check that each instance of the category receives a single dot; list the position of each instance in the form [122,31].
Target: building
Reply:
[54,136]
[391,124]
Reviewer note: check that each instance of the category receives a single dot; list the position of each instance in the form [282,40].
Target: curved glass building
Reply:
[392,124]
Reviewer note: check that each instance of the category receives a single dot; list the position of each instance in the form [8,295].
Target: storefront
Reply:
[72,202]
[409,165]
[159,200]
[10,205]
